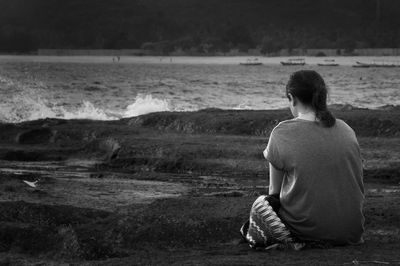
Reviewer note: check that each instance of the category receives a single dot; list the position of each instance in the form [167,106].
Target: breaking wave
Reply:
[22,107]
[145,104]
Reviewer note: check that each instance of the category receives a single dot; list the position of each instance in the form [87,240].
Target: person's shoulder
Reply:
[287,123]
[283,126]
[340,123]
[345,128]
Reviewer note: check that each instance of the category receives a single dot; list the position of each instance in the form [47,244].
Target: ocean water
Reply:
[34,87]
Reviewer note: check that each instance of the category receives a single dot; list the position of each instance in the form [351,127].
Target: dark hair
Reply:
[309,87]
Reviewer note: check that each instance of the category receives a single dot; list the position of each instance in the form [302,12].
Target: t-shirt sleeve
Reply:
[271,153]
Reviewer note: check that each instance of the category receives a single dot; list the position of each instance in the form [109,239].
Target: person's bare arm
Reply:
[275,180]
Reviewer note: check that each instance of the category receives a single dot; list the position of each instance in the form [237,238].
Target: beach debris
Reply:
[31,184]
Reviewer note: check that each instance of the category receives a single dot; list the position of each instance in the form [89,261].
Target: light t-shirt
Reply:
[322,191]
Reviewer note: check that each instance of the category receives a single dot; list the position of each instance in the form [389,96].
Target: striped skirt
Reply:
[265,229]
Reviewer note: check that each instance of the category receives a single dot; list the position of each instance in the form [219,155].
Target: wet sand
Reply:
[171,188]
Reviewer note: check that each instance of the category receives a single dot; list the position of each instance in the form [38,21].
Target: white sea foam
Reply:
[145,104]
[35,101]
[22,107]
[242,106]
[28,107]
[88,111]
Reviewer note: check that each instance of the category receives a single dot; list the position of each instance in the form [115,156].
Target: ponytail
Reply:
[309,87]
[326,118]
[319,104]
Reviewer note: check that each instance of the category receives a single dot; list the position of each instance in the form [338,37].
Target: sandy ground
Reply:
[171,188]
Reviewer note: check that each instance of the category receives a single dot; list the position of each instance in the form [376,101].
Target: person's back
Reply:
[316,191]
[322,189]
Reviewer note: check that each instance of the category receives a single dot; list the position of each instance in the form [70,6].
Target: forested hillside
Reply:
[201,25]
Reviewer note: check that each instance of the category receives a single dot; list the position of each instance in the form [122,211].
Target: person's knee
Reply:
[260,200]
[267,201]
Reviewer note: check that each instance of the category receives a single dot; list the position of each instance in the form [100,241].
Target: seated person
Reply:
[315,175]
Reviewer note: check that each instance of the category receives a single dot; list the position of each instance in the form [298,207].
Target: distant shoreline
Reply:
[317,52]
[311,61]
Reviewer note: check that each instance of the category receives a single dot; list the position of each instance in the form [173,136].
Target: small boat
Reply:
[251,62]
[377,64]
[294,62]
[328,62]
[382,63]
[362,65]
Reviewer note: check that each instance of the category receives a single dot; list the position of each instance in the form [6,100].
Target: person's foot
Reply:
[297,246]
[244,229]
[290,246]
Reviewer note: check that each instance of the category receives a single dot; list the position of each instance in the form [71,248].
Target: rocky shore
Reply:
[171,188]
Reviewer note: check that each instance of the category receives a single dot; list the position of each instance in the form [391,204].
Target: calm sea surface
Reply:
[33,87]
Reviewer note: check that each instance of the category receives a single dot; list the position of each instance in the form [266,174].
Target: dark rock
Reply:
[31,155]
[226,194]
[135,121]
[5,262]
[390,175]
[210,110]
[23,156]
[69,243]
[347,107]
[26,238]
[36,136]
[20,212]
[111,147]
[389,107]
